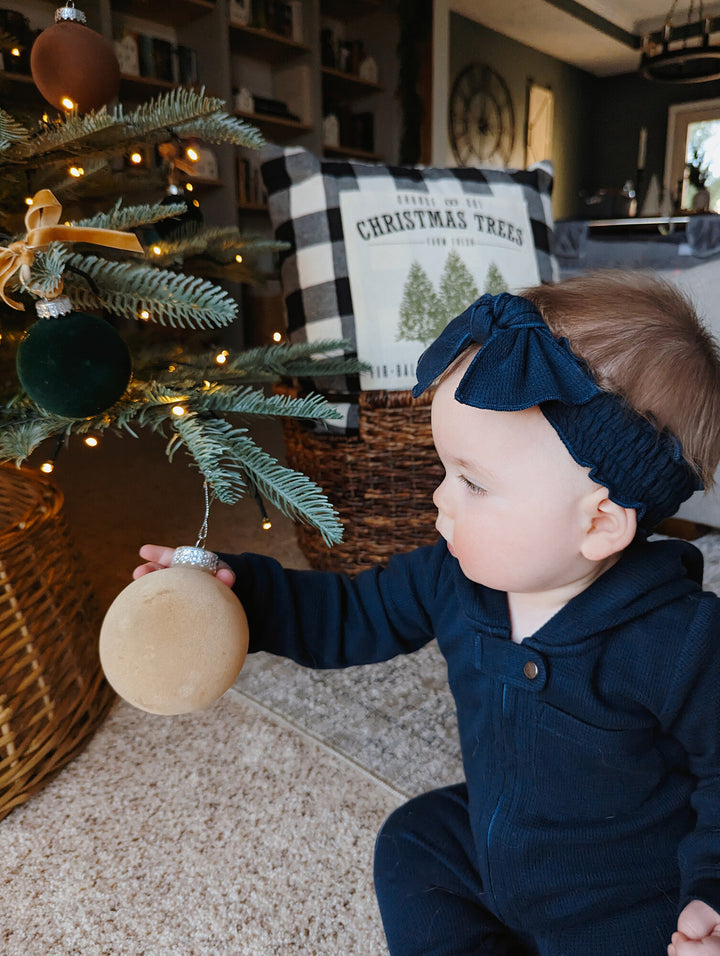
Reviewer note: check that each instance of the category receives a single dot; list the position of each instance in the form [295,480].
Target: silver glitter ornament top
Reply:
[52,308]
[193,557]
[69,12]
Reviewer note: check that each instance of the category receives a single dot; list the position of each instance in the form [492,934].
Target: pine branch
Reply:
[218,398]
[131,217]
[262,364]
[227,455]
[221,128]
[64,138]
[100,181]
[207,392]
[19,441]
[101,134]
[11,132]
[298,360]
[170,298]
[202,248]
[46,274]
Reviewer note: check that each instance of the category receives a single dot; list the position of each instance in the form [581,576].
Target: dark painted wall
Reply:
[597,119]
[519,65]
[619,107]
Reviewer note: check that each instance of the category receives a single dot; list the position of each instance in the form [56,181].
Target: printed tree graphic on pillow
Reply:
[424,313]
[457,289]
[495,283]
[421,311]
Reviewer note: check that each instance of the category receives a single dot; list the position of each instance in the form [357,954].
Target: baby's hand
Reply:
[698,932]
[158,557]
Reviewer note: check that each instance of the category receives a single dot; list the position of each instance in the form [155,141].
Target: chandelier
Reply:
[682,53]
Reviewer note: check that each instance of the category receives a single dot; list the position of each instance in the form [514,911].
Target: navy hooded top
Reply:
[591,749]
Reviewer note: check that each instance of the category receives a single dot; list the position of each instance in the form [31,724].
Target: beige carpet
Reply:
[247,829]
[226,832]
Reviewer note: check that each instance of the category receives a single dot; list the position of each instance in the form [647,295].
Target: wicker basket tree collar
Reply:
[381,481]
[52,691]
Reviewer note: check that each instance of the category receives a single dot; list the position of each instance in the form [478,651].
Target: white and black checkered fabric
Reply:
[303,196]
[304,204]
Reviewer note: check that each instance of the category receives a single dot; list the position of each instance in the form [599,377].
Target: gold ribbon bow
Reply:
[41,223]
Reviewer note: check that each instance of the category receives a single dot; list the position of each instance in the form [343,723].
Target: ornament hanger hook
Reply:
[203,533]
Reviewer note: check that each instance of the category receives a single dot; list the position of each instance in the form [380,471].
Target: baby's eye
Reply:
[471,486]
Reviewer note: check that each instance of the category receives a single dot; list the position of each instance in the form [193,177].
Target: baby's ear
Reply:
[611,529]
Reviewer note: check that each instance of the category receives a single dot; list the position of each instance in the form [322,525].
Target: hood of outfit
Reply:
[591,749]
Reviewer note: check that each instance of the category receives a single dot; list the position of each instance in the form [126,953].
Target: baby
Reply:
[584,659]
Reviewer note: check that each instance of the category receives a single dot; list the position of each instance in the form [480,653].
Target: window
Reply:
[693,137]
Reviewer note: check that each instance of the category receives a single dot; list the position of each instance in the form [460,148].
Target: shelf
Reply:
[138,88]
[201,184]
[347,85]
[348,9]
[176,13]
[19,89]
[639,221]
[265,45]
[350,152]
[276,126]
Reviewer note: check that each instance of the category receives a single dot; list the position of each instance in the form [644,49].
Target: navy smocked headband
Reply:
[522,364]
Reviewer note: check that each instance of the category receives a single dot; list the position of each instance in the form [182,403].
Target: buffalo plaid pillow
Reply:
[303,199]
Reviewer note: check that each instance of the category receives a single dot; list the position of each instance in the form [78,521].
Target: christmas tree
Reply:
[90,285]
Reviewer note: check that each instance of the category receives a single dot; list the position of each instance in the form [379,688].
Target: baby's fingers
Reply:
[158,557]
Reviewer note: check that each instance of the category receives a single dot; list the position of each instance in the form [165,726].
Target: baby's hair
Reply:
[642,339]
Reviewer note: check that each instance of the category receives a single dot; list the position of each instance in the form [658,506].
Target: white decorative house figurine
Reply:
[331,130]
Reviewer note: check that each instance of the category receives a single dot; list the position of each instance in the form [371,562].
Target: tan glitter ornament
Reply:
[174,640]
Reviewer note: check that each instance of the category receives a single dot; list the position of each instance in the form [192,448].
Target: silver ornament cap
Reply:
[70,13]
[52,308]
[194,557]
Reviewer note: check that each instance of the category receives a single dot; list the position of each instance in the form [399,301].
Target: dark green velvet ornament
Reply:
[74,365]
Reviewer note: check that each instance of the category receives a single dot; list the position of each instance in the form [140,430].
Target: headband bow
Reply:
[42,226]
[521,364]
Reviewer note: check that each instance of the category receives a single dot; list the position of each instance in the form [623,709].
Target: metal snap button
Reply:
[530,670]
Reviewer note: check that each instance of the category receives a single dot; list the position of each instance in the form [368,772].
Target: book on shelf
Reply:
[251,189]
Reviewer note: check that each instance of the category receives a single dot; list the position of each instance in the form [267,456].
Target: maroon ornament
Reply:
[74,67]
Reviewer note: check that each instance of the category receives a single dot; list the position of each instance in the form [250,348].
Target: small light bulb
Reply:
[192,154]
[77,171]
[222,357]
[171,368]
[68,103]
[47,467]
[91,441]
[238,258]
[136,158]
[15,51]
[143,314]
[189,187]
[277,336]
[178,410]
[157,250]
[28,201]
[267,524]
[196,203]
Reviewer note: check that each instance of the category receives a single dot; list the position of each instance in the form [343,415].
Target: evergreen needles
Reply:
[178,388]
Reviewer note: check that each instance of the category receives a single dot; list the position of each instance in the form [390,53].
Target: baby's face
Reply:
[512,505]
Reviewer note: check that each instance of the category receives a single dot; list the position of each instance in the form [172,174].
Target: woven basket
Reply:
[52,692]
[381,481]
